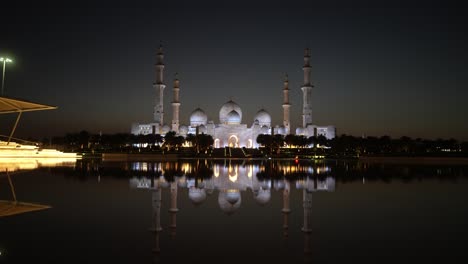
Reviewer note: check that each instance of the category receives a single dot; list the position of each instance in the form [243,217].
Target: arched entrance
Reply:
[233,142]
[216,143]
[232,171]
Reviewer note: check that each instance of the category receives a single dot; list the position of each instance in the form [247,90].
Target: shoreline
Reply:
[368,159]
[416,160]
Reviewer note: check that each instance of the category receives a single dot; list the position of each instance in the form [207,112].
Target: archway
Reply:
[233,142]
[216,143]
[232,171]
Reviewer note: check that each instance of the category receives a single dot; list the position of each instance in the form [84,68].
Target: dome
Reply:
[197,195]
[279,185]
[182,184]
[263,196]
[299,131]
[226,109]
[165,129]
[233,118]
[162,182]
[264,130]
[282,130]
[202,129]
[198,117]
[263,117]
[233,196]
[265,184]
[229,201]
[183,129]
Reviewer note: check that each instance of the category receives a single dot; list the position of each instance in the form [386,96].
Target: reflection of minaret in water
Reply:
[286,210]
[156,228]
[306,228]
[173,210]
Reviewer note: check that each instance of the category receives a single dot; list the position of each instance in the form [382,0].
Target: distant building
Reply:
[230,131]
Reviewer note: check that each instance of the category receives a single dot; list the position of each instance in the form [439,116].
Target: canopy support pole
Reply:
[14,128]
[11,186]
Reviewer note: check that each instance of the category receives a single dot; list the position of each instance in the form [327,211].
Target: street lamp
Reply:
[4,60]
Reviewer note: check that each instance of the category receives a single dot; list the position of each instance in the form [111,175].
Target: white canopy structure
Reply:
[14,207]
[11,105]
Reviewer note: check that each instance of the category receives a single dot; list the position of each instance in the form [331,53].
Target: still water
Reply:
[237,212]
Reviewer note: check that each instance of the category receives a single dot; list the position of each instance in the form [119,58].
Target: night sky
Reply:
[386,70]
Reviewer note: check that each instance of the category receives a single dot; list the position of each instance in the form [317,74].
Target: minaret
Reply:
[175,106]
[307,91]
[159,88]
[286,105]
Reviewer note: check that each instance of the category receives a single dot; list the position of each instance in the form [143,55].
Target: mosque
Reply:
[230,131]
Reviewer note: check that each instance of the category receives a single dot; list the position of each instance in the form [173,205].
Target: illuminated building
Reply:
[230,131]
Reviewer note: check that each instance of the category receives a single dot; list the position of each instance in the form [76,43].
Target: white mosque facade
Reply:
[230,131]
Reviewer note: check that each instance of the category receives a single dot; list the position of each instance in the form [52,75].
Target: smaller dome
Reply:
[197,195]
[263,118]
[202,129]
[299,131]
[182,184]
[282,130]
[162,182]
[279,185]
[165,129]
[198,117]
[301,184]
[264,130]
[233,117]
[183,129]
[265,184]
[263,196]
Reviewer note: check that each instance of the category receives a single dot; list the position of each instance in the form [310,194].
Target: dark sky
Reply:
[377,70]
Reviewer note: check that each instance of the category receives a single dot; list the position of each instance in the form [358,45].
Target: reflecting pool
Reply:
[230,211]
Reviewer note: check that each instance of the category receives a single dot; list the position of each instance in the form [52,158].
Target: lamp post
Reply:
[4,60]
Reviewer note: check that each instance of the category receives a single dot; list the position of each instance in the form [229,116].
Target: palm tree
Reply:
[290,140]
[170,140]
[204,142]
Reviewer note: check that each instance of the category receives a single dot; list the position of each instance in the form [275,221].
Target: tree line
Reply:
[342,145]
[347,145]
[124,142]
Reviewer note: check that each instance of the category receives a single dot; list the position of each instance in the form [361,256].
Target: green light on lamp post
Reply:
[4,60]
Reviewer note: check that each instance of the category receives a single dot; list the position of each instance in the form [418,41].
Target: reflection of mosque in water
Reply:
[230,180]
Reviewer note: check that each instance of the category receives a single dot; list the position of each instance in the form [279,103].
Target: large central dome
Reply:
[228,108]
[233,118]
